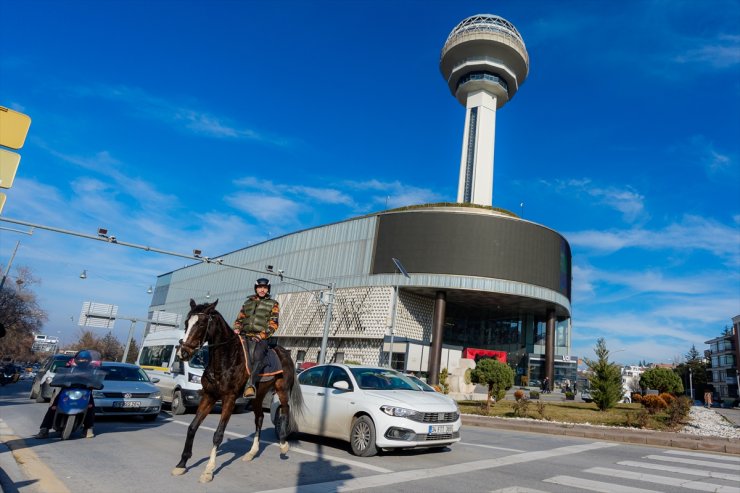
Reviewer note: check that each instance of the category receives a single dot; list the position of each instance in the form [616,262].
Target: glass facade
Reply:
[521,336]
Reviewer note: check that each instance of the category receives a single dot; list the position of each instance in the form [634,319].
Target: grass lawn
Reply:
[626,415]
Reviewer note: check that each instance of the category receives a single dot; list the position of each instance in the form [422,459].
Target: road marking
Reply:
[491,447]
[298,450]
[703,456]
[588,484]
[668,480]
[44,479]
[703,463]
[395,478]
[518,489]
[680,470]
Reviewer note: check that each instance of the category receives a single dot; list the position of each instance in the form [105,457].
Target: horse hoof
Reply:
[206,477]
[178,471]
[284,447]
[248,457]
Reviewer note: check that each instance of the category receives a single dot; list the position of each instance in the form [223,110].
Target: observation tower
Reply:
[484,61]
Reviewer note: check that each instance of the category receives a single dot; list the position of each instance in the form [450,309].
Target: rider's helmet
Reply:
[262,282]
[83,359]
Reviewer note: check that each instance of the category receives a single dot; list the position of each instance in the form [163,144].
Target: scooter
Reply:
[8,375]
[74,398]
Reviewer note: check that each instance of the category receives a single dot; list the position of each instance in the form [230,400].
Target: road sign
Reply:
[98,315]
[8,166]
[13,128]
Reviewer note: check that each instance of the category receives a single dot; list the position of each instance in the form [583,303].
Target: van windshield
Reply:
[200,358]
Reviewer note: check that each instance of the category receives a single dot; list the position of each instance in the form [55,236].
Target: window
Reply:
[300,357]
[156,355]
[337,374]
[338,357]
[312,376]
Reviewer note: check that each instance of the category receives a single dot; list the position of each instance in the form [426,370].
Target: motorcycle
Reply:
[9,374]
[75,391]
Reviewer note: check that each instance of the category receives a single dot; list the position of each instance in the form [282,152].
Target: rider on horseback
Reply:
[256,322]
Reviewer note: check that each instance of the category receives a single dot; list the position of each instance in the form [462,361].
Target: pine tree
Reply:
[605,379]
[693,354]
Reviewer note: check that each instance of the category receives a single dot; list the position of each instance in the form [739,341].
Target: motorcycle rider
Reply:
[256,322]
[83,361]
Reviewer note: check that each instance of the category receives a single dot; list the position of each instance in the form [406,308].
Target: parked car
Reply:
[127,391]
[586,396]
[421,383]
[373,408]
[40,389]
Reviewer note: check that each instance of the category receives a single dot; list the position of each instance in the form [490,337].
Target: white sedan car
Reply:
[373,408]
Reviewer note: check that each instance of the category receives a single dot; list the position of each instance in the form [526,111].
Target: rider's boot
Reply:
[89,433]
[250,390]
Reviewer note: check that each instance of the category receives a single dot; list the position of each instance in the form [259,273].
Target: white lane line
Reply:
[667,480]
[518,451]
[518,489]
[588,484]
[703,456]
[680,470]
[702,463]
[396,478]
[298,450]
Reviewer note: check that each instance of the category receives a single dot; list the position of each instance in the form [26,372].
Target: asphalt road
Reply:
[131,455]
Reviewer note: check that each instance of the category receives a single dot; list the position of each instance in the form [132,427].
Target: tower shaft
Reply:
[476,163]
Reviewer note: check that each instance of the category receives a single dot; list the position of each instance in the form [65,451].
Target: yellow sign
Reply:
[13,128]
[8,166]
[2,201]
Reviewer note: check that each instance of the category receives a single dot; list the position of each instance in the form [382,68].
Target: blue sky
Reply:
[214,125]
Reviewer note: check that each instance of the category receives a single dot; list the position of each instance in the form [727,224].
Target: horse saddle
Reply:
[272,366]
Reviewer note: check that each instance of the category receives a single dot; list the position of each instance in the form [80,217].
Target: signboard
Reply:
[164,320]
[98,315]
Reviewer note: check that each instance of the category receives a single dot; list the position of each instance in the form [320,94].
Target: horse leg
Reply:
[227,407]
[259,414]
[284,415]
[205,406]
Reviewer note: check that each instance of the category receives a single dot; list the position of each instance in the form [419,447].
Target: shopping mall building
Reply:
[477,278]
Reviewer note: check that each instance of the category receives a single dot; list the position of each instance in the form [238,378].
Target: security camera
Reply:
[112,239]
[281,271]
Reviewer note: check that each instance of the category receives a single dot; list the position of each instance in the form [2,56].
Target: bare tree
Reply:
[21,316]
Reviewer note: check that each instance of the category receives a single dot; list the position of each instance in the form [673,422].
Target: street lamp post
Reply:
[691,385]
[401,269]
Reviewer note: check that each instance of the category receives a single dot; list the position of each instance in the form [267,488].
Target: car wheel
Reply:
[178,407]
[40,396]
[362,437]
[34,393]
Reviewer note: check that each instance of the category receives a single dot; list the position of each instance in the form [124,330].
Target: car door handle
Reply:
[320,393]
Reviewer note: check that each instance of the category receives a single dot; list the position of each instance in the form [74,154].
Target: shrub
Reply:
[445,386]
[534,394]
[499,377]
[521,407]
[541,410]
[678,410]
[570,395]
[518,395]
[468,381]
[636,397]
[653,403]
[668,398]
[661,379]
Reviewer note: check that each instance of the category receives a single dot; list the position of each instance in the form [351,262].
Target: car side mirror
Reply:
[154,379]
[341,385]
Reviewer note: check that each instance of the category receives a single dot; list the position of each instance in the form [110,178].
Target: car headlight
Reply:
[193,378]
[98,394]
[400,412]
[155,395]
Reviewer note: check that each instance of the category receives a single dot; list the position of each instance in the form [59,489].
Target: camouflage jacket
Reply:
[258,317]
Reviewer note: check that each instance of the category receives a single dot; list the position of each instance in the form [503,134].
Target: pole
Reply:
[128,341]
[327,324]
[7,269]
[691,386]
[393,325]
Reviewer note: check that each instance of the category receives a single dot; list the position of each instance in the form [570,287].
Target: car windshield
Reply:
[125,374]
[59,363]
[200,358]
[421,383]
[383,379]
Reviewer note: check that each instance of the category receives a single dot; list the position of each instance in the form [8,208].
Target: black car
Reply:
[40,389]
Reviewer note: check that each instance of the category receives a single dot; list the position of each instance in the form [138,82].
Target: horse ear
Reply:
[215,303]
[192,304]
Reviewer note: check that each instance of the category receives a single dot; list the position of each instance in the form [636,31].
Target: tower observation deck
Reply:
[484,61]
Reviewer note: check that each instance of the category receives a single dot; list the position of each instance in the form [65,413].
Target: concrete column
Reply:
[438,323]
[550,347]
[476,164]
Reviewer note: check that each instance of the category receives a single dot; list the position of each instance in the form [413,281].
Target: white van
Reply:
[179,381]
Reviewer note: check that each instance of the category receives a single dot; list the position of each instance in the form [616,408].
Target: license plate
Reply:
[126,404]
[440,429]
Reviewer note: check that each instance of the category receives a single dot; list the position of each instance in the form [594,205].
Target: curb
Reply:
[625,435]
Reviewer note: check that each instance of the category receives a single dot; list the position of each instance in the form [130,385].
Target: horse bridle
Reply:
[191,348]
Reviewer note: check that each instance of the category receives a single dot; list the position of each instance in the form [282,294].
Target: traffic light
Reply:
[13,130]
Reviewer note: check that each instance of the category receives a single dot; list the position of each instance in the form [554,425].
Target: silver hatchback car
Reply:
[127,391]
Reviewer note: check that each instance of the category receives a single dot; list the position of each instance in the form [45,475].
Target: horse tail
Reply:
[295,396]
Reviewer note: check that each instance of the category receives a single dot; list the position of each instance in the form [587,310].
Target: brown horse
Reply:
[224,379]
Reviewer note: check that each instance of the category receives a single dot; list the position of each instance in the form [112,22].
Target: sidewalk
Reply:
[614,434]
[731,414]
